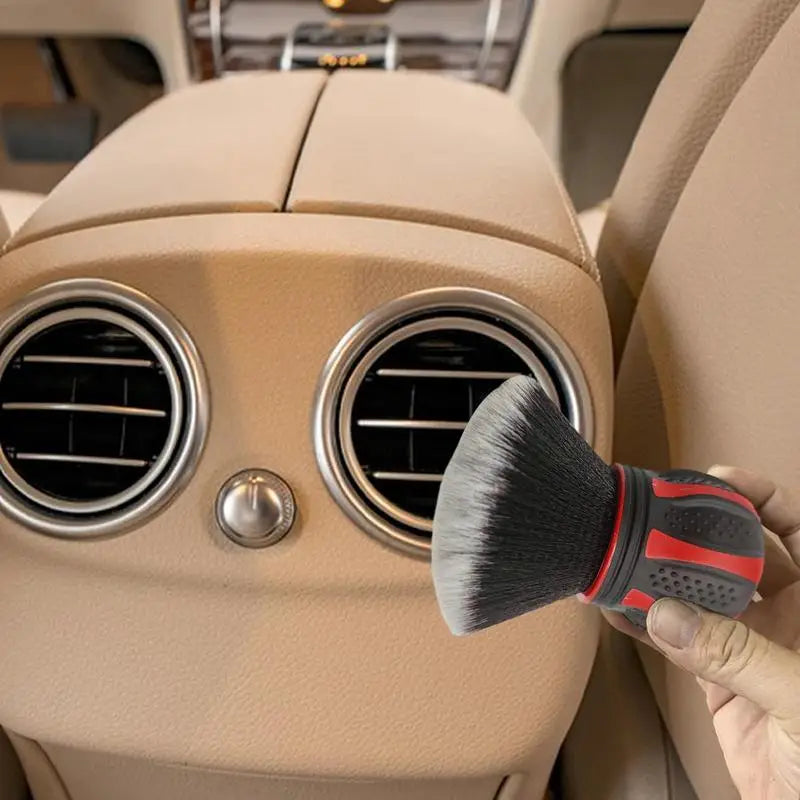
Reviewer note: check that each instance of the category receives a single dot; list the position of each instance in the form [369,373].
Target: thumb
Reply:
[728,653]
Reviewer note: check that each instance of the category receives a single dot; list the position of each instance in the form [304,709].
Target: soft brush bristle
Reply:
[525,511]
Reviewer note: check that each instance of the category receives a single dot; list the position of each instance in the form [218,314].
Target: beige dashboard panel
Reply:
[228,145]
[324,655]
[415,147]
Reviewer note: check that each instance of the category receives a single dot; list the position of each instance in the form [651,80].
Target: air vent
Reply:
[101,416]
[406,405]
[398,392]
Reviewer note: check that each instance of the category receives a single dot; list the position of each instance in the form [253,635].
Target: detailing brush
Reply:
[528,514]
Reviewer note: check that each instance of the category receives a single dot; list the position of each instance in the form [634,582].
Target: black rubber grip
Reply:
[682,534]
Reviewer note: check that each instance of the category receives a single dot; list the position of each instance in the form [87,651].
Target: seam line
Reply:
[301,148]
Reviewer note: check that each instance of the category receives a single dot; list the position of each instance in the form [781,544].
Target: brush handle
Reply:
[679,534]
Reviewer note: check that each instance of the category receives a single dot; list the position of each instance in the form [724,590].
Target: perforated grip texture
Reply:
[682,534]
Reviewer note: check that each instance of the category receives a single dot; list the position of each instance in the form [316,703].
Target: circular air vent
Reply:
[102,408]
[400,387]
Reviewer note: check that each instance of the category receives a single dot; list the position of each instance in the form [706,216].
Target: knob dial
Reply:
[255,508]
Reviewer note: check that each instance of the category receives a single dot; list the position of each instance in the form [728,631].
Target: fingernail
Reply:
[673,622]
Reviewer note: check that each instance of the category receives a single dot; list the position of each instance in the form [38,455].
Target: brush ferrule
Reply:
[633,506]
[590,594]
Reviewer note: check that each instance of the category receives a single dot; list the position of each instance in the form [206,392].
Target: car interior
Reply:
[260,260]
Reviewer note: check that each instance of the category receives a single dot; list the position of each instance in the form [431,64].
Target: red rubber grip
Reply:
[662,547]
[662,488]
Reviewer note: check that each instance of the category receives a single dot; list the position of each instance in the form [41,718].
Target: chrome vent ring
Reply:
[103,408]
[412,433]
[399,388]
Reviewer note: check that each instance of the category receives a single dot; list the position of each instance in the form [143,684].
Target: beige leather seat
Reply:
[716,57]
[592,220]
[16,207]
[699,261]
[725,42]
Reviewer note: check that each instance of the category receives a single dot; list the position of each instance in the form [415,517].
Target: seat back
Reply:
[716,57]
[5,232]
[708,372]
[15,208]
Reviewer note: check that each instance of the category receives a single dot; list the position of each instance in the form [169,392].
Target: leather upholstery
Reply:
[44,781]
[165,163]
[295,639]
[711,356]
[726,40]
[396,146]
[5,231]
[12,779]
[591,221]
[617,748]
[15,208]
[62,773]
[325,656]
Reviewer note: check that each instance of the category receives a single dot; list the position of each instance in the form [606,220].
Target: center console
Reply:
[260,313]
[476,40]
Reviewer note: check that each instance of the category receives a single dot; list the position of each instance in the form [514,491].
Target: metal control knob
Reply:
[255,508]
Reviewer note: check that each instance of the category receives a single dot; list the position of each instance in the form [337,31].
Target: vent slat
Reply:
[456,374]
[424,477]
[412,424]
[72,459]
[87,408]
[99,361]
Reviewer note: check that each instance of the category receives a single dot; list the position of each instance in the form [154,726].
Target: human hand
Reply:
[750,668]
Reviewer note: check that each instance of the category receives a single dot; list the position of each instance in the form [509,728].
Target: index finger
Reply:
[778,507]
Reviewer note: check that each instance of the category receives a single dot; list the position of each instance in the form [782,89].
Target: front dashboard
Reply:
[519,45]
[471,39]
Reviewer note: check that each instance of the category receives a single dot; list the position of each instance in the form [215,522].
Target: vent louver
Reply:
[412,402]
[399,405]
[99,410]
